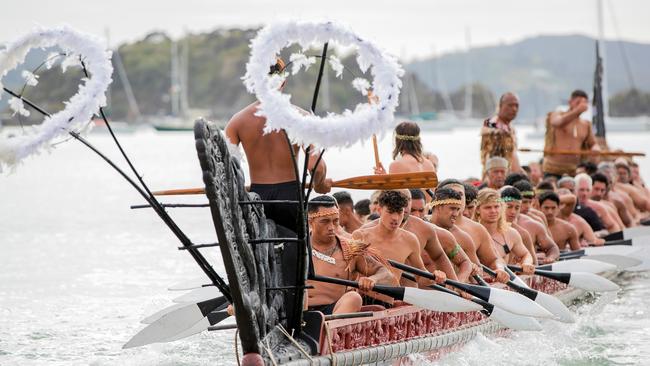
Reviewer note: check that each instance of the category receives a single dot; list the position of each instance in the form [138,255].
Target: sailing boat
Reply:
[181,117]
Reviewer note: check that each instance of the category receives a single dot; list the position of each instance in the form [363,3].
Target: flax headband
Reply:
[324,212]
[407,137]
[448,201]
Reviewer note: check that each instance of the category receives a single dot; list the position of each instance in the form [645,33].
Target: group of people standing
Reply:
[516,214]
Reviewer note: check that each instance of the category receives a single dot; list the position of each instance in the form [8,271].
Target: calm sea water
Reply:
[79,269]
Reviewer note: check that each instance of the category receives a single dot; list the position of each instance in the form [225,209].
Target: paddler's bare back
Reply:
[267,155]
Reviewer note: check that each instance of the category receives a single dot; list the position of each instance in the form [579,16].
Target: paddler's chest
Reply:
[328,263]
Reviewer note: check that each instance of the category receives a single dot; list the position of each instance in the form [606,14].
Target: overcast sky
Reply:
[407,28]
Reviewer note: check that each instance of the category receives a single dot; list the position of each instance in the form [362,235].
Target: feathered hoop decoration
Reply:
[79,109]
[335,129]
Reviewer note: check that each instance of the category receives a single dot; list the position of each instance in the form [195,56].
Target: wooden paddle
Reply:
[375,181]
[582,152]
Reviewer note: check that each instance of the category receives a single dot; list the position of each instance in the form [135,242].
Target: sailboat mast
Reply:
[468,76]
[603,52]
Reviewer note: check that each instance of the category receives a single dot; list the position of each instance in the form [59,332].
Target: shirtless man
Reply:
[269,162]
[432,246]
[565,130]
[563,233]
[470,192]
[512,205]
[527,199]
[637,194]
[418,204]
[408,153]
[526,226]
[347,218]
[505,240]
[586,235]
[583,192]
[480,237]
[433,158]
[393,242]
[447,206]
[609,169]
[337,257]
[600,193]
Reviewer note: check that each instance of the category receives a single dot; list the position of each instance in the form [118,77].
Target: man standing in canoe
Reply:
[505,240]
[566,131]
[269,162]
[337,257]
[498,137]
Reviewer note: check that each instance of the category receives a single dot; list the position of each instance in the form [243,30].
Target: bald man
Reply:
[498,136]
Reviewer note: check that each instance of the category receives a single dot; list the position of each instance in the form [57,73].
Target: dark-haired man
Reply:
[362,209]
[349,221]
[563,233]
[526,226]
[600,193]
[447,205]
[527,202]
[388,237]
[470,192]
[270,166]
[586,235]
[565,130]
[418,204]
[337,257]
[480,237]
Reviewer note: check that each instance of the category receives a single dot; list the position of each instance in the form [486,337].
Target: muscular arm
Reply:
[371,268]
[588,232]
[559,119]
[608,221]
[519,249]
[527,240]
[573,237]
[486,253]
[623,212]
[231,130]
[414,258]
[318,172]
[435,251]
[547,244]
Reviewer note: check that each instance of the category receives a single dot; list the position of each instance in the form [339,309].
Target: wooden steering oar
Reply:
[582,152]
[375,181]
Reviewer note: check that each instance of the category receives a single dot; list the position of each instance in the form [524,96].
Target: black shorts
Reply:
[326,309]
[282,214]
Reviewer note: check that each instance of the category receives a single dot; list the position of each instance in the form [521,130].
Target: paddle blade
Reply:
[637,232]
[390,181]
[438,301]
[189,284]
[173,323]
[581,265]
[198,295]
[153,317]
[620,261]
[517,304]
[514,321]
[556,307]
[613,249]
[591,282]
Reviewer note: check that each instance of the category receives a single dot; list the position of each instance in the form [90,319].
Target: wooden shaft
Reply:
[583,152]
[374,146]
